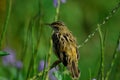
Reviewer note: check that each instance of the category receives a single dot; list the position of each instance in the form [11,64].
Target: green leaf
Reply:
[3,53]
[58,75]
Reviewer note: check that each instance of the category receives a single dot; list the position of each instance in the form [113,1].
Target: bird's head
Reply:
[57,26]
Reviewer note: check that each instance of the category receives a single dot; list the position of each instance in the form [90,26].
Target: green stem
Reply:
[49,57]
[33,48]
[31,64]
[115,55]
[38,22]
[38,75]
[9,4]
[90,74]
[26,39]
[57,11]
[102,52]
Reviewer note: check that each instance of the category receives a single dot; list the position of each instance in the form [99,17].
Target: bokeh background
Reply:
[81,17]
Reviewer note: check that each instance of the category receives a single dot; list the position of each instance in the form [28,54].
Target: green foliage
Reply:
[58,75]
[3,53]
[23,30]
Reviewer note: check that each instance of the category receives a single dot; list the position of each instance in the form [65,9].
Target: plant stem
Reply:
[31,64]
[49,57]
[90,74]
[57,11]
[9,4]
[115,55]
[102,52]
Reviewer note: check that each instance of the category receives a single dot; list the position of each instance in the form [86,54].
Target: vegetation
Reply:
[25,41]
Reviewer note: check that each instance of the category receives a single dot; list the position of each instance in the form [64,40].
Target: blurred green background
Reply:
[81,17]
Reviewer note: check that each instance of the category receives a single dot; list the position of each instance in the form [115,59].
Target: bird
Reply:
[65,48]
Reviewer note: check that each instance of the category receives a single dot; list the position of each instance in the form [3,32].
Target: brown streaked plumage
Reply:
[65,48]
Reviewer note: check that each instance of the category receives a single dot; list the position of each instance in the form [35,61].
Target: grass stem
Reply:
[102,52]
[115,55]
[9,5]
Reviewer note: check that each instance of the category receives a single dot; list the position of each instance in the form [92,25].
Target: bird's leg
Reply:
[55,63]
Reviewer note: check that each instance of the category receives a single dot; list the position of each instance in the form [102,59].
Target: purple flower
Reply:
[19,64]
[41,65]
[11,59]
[51,72]
[55,2]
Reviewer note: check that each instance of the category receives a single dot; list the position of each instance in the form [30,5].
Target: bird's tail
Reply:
[73,68]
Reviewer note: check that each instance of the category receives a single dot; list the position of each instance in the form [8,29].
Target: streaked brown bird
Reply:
[65,48]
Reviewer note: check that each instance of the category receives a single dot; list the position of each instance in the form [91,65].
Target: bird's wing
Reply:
[56,44]
[64,45]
